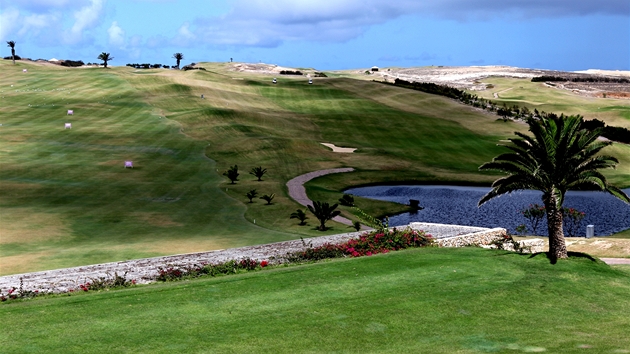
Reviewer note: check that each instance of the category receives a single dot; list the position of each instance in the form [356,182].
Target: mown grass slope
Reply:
[67,200]
[416,301]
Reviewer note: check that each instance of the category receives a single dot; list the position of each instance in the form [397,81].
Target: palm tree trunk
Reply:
[13,55]
[557,246]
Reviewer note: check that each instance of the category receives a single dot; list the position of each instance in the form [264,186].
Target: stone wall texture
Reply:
[146,270]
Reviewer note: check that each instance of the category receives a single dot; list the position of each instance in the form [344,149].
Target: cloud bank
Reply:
[266,23]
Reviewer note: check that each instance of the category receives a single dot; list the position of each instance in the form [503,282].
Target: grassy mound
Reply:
[423,300]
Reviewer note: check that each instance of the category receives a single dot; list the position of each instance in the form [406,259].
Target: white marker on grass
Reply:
[128,164]
[68,126]
[70,112]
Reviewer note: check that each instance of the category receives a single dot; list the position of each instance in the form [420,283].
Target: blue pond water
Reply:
[458,205]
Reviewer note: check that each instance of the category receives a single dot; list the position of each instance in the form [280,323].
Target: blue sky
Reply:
[326,34]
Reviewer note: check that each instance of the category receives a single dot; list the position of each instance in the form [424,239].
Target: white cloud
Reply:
[116,35]
[85,19]
[33,24]
[185,33]
[42,6]
[8,23]
[267,23]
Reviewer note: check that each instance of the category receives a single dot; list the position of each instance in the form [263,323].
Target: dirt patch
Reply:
[23,225]
[22,263]
[598,247]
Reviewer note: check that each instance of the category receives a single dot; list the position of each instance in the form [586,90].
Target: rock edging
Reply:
[146,270]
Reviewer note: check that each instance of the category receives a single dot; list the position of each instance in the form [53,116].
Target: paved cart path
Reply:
[298,192]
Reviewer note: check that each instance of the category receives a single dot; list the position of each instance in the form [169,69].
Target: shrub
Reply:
[72,63]
[346,200]
[189,67]
[368,244]
[108,282]
[232,173]
[290,72]
[173,272]
[268,198]
[251,195]
[572,220]
[534,215]
[300,215]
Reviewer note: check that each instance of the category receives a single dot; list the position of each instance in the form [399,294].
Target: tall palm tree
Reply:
[178,57]
[323,212]
[12,45]
[105,58]
[560,155]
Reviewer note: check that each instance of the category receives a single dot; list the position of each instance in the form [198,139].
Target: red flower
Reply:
[264,263]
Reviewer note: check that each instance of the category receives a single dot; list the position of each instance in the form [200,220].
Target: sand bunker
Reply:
[339,149]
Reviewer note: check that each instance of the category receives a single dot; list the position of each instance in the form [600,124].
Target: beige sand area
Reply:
[339,149]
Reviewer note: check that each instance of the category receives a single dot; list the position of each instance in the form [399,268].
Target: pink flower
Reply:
[368,253]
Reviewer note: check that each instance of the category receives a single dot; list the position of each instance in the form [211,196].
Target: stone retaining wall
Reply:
[146,270]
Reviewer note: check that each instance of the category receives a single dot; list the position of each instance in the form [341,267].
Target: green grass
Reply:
[424,300]
[67,200]
[622,234]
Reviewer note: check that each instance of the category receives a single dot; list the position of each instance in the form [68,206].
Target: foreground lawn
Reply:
[424,300]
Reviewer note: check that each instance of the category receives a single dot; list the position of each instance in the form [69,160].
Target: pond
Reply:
[458,205]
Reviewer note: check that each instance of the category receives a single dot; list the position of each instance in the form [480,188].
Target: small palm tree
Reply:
[178,57]
[105,58]
[251,195]
[323,212]
[300,215]
[12,45]
[268,198]
[232,173]
[560,155]
[258,172]
[346,200]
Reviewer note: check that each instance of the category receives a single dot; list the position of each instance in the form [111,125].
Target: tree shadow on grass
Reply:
[553,260]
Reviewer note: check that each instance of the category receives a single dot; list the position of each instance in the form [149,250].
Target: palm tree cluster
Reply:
[561,155]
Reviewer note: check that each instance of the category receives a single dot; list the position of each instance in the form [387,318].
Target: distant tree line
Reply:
[290,72]
[72,63]
[148,66]
[193,67]
[17,57]
[549,78]
[618,134]
[506,112]
[435,89]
